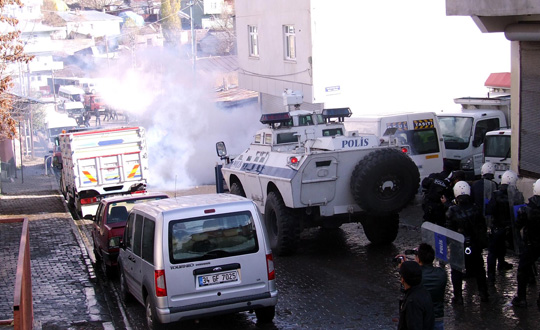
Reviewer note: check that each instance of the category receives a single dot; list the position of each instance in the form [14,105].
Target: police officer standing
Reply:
[501,210]
[528,220]
[482,189]
[434,186]
[465,218]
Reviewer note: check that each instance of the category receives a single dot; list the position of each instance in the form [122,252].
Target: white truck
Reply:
[464,131]
[100,163]
[497,151]
[305,170]
[418,130]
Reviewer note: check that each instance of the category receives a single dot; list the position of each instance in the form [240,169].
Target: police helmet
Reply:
[509,177]
[462,188]
[488,168]
[536,188]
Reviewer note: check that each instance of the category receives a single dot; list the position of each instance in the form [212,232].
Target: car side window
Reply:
[129,231]
[148,240]
[99,214]
[137,234]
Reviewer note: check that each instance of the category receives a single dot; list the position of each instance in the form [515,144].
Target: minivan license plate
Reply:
[211,279]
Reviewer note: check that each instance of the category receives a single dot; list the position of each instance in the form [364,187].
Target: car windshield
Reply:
[118,212]
[212,237]
[456,131]
[497,146]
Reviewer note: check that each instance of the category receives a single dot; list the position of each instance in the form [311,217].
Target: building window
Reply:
[289,38]
[253,41]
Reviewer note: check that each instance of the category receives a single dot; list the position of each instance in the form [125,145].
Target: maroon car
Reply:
[110,221]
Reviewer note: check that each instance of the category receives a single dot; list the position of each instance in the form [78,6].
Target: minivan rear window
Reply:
[211,237]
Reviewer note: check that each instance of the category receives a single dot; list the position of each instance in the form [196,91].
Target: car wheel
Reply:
[381,230]
[124,291]
[151,320]
[265,314]
[384,182]
[281,224]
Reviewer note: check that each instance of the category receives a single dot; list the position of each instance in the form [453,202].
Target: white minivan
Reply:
[195,256]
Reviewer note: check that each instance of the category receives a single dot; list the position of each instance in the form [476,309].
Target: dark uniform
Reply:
[434,187]
[465,219]
[529,220]
[500,208]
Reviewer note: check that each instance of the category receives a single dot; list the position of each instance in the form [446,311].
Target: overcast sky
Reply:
[410,56]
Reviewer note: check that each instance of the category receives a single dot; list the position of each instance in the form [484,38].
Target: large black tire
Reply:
[237,189]
[281,225]
[384,182]
[381,230]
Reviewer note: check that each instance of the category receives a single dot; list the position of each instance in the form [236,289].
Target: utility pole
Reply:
[30,111]
[193,38]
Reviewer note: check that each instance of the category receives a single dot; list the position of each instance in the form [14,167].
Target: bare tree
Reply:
[11,51]
[99,4]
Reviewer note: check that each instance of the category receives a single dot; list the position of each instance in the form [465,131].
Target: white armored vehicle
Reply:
[306,170]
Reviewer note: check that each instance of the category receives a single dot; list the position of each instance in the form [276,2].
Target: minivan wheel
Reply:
[151,320]
[265,314]
[126,296]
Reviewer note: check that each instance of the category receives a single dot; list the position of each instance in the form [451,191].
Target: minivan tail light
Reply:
[270,267]
[161,287]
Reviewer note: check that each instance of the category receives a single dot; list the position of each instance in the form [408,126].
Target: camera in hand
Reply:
[399,259]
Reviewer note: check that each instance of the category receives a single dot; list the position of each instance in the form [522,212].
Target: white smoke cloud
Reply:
[181,118]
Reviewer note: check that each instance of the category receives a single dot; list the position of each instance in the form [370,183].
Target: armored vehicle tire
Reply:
[384,182]
[281,225]
[237,189]
[381,230]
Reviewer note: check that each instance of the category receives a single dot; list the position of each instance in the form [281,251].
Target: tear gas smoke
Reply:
[181,117]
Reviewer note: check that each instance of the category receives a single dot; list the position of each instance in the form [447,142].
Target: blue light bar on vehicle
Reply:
[336,113]
[272,118]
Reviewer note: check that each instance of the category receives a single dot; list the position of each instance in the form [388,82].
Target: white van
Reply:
[420,131]
[195,256]
[70,94]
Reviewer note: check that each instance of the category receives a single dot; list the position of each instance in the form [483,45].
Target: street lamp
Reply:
[193,37]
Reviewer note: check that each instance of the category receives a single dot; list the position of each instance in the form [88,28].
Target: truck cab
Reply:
[464,130]
[497,151]
[419,132]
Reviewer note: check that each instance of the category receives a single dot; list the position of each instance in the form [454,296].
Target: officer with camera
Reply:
[434,187]
[528,221]
[464,218]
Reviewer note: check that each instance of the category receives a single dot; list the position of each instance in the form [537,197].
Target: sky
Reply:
[410,56]
[393,56]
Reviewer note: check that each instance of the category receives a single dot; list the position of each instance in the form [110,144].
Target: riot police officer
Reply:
[500,209]
[464,218]
[528,220]
[483,188]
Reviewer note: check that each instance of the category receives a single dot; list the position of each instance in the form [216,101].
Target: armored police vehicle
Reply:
[306,170]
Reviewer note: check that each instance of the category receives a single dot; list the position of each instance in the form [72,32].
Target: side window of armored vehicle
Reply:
[212,237]
[137,235]
[148,240]
[268,139]
[129,230]
[286,138]
[258,138]
[332,132]
[424,142]
[305,120]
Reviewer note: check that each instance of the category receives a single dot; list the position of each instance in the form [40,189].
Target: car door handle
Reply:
[132,259]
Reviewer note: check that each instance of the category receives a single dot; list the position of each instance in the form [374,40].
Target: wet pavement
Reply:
[336,280]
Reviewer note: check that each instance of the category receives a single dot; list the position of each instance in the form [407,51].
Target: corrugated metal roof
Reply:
[499,79]
[87,16]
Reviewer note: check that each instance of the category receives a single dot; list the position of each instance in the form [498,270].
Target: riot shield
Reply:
[448,244]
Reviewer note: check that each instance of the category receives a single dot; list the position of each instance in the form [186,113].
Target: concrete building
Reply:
[283,45]
[520,22]
[89,23]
